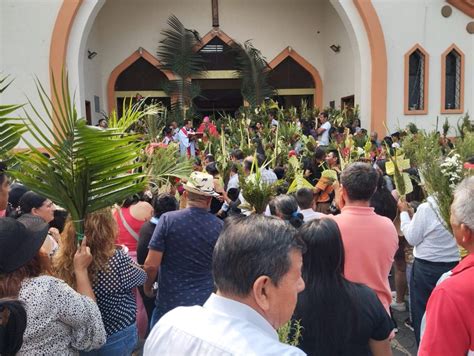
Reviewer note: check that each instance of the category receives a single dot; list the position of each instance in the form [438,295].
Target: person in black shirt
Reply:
[313,167]
[338,317]
[161,204]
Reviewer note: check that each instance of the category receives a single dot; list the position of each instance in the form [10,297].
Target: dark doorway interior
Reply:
[288,101]
[348,102]
[141,75]
[218,96]
[289,74]
[148,101]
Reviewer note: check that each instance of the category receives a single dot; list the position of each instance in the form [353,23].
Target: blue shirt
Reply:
[186,238]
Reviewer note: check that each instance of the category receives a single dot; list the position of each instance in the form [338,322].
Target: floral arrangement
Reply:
[452,169]
[440,171]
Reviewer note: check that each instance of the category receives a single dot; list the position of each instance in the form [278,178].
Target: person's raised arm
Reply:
[82,260]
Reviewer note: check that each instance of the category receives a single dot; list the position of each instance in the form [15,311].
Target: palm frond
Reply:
[89,169]
[11,129]
[176,49]
[3,83]
[166,163]
[131,114]
[253,70]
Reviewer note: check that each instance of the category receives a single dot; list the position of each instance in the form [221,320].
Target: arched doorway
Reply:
[295,79]
[138,75]
[141,79]
[293,84]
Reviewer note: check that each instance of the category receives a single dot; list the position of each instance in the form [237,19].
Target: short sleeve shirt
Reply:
[373,322]
[324,137]
[186,238]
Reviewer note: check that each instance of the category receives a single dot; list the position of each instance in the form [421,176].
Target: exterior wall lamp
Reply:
[91,54]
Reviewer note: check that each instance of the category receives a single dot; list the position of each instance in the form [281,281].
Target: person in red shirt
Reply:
[450,311]
[130,217]
[208,127]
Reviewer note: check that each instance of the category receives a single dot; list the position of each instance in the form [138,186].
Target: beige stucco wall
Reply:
[420,21]
[339,68]
[25,38]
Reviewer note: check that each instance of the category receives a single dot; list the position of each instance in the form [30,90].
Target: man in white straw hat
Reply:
[181,250]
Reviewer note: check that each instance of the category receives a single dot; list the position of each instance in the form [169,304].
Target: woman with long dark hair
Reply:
[34,210]
[338,317]
[286,208]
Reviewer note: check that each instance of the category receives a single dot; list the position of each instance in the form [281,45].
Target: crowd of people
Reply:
[193,271]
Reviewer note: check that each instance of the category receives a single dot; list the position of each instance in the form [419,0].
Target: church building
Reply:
[400,61]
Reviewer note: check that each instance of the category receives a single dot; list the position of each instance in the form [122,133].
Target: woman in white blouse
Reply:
[60,321]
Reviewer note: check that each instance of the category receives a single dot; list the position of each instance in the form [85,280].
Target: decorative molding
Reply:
[443,81]
[466,6]
[379,74]
[425,82]
[144,93]
[127,62]
[58,49]
[318,83]
[216,74]
[295,91]
[215,32]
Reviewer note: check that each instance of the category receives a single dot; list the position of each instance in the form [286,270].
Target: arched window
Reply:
[416,81]
[452,81]
[295,78]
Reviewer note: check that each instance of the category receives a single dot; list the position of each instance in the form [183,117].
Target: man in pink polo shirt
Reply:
[450,310]
[370,240]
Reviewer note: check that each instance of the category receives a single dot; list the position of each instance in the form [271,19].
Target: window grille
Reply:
[416,84]
[213,48]
[453,81]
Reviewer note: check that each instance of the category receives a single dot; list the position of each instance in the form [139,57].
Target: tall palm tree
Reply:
[253,69]
[176,53]
[89,169]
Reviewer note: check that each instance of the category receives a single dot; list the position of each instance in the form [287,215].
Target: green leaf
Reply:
[89,169]
[253,70]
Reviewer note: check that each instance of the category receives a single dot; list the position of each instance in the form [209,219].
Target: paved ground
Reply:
[404,343]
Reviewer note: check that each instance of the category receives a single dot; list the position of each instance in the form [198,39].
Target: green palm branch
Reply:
[166,163]
[256,192]
[176,53]
[253,70]
[131,114]
[11,129]
[90,168]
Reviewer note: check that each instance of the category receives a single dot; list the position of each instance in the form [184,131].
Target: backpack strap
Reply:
[127,227]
